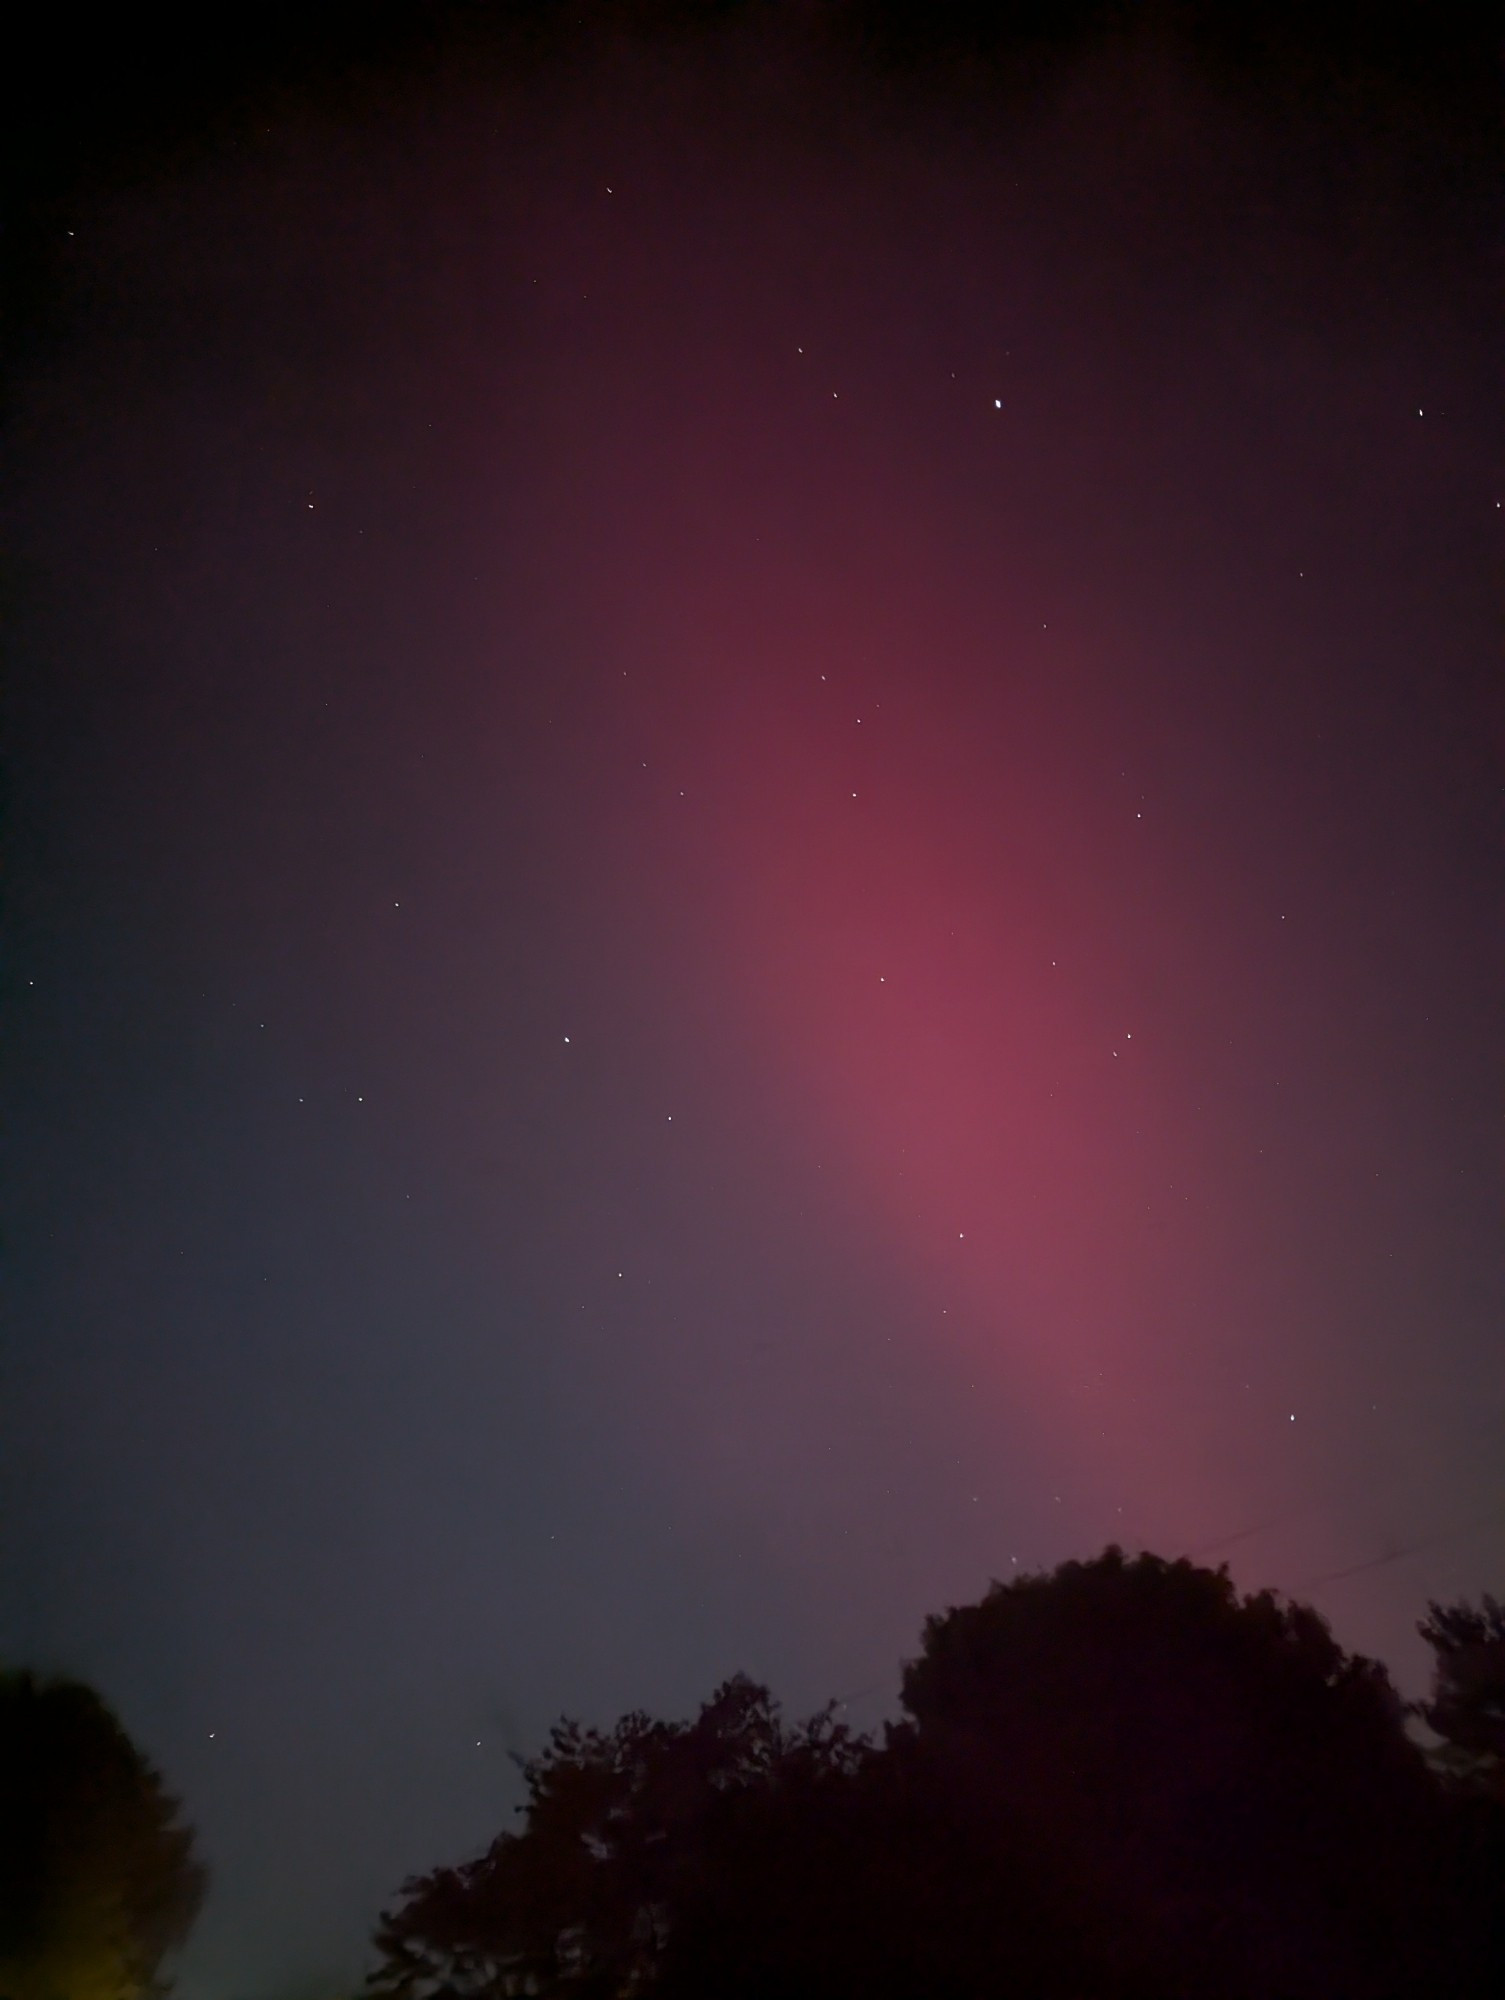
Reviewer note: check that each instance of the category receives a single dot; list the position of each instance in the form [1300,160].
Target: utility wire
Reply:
[1442,1535]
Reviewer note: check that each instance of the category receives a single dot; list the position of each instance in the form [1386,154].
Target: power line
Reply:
[1469,1527]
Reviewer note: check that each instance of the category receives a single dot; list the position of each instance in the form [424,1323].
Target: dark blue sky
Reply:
[753,869]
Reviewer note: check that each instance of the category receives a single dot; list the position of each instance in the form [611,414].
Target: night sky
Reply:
[753,869]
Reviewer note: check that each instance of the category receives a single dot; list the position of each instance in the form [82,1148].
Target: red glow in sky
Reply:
[828,924]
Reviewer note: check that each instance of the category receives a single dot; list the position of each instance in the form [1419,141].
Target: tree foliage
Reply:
[1467,1703]
[1228,1797]
[98,1882]
[582,1901]
[1466,1711]
[1119,1781]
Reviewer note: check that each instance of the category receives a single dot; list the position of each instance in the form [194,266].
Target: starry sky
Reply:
[753,870]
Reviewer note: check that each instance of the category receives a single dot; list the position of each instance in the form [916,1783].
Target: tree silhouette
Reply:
[1466,1709]
[1120,1781]
[1467,1703]
[97,1877]
[1230,1800]
[581,1902]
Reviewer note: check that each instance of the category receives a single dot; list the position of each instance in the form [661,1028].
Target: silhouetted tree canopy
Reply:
[617,1824]
[1467,1703]
[1231,1796]
[97,1876]
[1466,1709]
[1119,1781]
